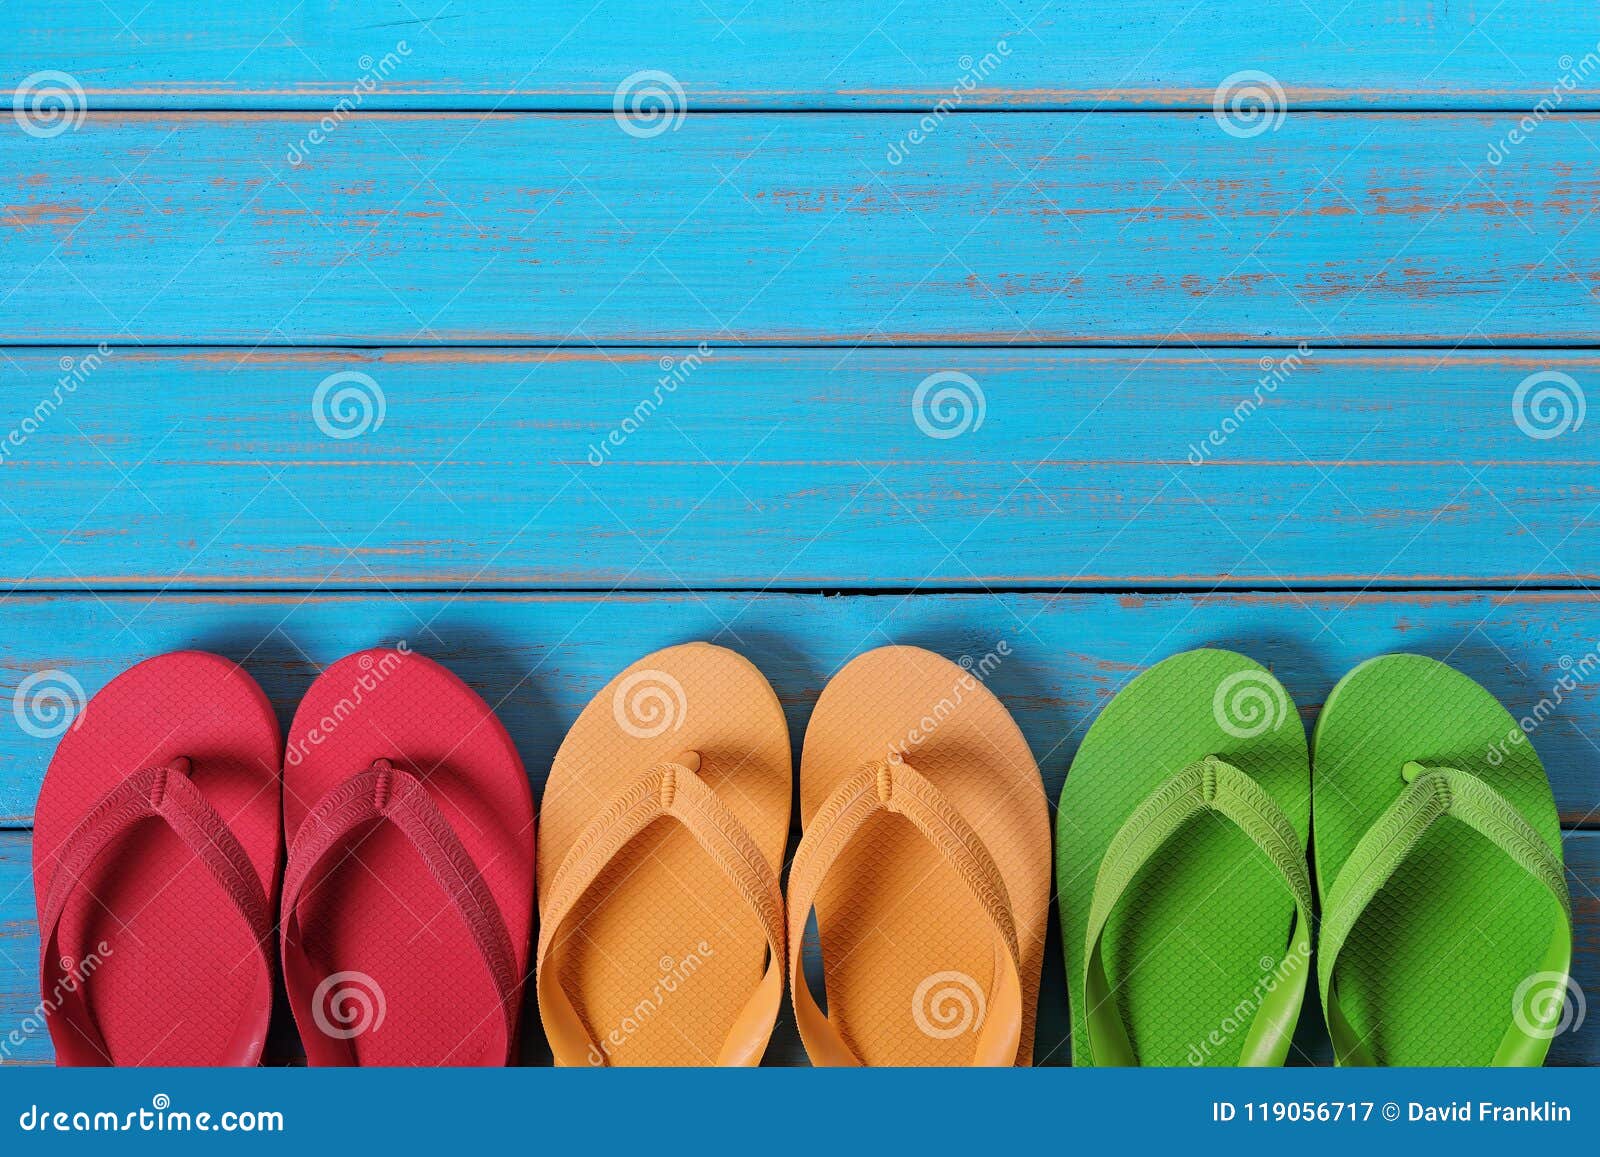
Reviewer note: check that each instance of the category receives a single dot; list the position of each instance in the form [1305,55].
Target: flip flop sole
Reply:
[173,985]
[661,953]
[1203,925]
[907,954]
[1431,971]
[401,980]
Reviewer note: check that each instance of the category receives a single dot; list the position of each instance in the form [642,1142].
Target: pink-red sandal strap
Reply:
[166,793]
[385,792]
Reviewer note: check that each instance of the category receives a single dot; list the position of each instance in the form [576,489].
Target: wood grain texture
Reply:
[539,659]
[763,228]
[824,54]
[23,1040]
[797,468]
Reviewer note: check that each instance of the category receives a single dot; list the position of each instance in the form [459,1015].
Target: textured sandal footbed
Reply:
[893,915]
[1429,973]
[173,985]
[662,916]
[379,912]
[1204,923]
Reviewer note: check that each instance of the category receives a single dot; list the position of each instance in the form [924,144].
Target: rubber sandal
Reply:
[926,856]
[662,834]
[156,937]
[1181,866]
[1446,927]
[408,893]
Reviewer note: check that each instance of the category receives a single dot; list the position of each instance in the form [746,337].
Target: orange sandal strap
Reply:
[666,791]
[894,786]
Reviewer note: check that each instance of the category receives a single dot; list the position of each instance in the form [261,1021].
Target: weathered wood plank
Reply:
[797,468]
[828,53]
[540,658]
[764,228]
[19,995]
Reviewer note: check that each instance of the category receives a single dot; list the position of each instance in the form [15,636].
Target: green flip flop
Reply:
[1446,932]
[1181,868]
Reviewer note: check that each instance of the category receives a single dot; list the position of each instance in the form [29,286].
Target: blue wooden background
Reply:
[360,322]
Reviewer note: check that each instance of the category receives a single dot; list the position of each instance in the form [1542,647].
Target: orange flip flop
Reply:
[662,833]
[926,855]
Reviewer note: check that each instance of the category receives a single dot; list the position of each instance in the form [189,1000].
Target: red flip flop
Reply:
[155,850]
[408,894]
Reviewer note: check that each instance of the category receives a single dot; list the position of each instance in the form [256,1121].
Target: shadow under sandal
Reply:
[1181,864]
[1446,926]
[156,937]
[926,855]
[408,893]
[662,833]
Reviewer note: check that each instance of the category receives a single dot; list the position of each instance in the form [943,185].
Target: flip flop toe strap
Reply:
[1431,795]
[898,788]
[672,791]
[1209,784]
[166,793]
[387,793]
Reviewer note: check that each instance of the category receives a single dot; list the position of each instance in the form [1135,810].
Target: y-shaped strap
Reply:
[1433,794]
[164,793]
[896,787]
[385,792]
[1207,784]
[665,791]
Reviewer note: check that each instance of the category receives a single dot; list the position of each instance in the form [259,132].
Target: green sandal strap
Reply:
[1432,794]
[1214,785]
